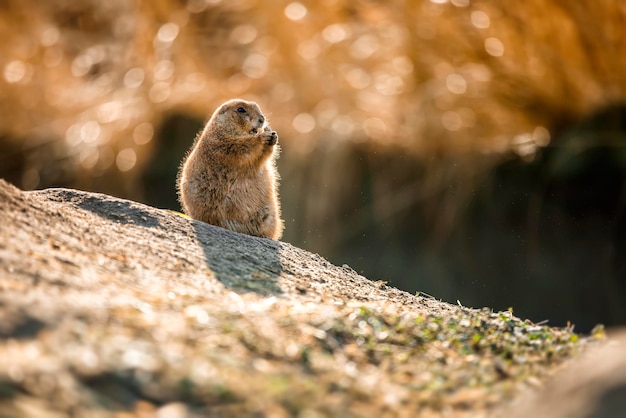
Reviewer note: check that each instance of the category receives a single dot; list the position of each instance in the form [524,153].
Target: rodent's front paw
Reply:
[270,138]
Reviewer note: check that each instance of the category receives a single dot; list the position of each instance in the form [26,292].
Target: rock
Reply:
[112,308]
[592,386]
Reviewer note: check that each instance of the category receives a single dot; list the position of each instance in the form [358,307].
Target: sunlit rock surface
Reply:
[108,306]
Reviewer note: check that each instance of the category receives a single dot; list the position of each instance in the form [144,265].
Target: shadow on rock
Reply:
[240,262]
[111,208]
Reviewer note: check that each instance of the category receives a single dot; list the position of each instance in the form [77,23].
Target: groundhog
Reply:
[229,177]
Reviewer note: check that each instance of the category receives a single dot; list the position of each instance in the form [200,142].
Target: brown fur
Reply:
[229,177]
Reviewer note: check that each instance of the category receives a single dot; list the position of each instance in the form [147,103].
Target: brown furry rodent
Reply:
[229,177]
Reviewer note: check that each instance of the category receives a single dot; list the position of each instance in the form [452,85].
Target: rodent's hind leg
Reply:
[238,227]
[263,214]
[261,223]
[267,222]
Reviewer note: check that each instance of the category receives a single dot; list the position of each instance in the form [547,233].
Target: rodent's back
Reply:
[229,177]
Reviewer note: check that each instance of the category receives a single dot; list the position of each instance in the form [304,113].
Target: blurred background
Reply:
[473,150]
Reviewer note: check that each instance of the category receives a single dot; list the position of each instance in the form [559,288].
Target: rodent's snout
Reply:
[258,124]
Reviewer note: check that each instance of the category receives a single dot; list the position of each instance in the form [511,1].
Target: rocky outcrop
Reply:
[109,307]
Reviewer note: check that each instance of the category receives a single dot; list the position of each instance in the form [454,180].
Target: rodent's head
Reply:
[245,116]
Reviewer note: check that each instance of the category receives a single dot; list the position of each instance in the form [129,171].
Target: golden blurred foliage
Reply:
[432,77]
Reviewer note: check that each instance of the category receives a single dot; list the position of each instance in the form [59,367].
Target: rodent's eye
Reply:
[241,110]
